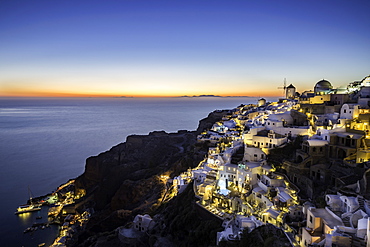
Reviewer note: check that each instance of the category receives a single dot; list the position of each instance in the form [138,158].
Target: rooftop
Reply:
[327,217]
[317,143]
[349,134]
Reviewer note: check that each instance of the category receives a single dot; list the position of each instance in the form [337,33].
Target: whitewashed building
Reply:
[143,223]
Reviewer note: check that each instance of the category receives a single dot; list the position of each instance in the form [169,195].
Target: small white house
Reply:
[268,139]
[228,174]
[350,204]
[143,223]
[253,154]
[334,202]
[349,111]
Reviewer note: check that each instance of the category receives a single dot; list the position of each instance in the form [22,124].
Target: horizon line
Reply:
[136,96]
[103,95]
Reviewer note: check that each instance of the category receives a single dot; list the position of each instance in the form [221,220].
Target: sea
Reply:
[44,142]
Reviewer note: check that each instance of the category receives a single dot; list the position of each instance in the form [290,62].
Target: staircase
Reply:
[361,203]
[346,221]
[358,242]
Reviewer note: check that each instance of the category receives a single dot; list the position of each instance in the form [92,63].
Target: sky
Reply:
[180,47]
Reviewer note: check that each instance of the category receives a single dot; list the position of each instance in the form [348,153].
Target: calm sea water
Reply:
[44,142]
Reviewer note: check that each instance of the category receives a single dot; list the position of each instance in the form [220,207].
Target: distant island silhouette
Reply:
[208,96]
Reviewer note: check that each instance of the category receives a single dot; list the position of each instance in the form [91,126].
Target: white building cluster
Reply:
[236,183]
[343,222]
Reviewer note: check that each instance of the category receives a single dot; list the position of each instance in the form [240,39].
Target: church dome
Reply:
[323,87]
[366,81]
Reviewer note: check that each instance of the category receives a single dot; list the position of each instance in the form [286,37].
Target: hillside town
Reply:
[318,194]
[300,165]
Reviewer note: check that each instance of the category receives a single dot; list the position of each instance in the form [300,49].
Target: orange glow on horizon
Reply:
[136,88]
[76,90]
[102,95]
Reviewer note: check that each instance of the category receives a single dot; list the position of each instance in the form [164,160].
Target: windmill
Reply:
[283,87]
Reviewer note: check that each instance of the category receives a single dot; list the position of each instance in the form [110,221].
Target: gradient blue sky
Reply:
[172,48]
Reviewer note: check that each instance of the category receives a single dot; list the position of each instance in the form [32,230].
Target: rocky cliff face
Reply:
[140,157]
[266,235]
[213,117]
[125,180]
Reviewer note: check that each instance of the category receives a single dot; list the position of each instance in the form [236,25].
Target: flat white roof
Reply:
[258,189]
[273,213]
[200,171]
[351,135]
[326,217]
[252,165]
[283,196]
[317,143]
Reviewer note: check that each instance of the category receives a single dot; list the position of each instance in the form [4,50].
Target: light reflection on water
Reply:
[25,217]
[34,238]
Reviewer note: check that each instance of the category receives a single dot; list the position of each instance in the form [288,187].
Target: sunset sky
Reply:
[180,47]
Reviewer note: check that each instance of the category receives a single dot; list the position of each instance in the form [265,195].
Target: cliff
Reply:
[140,157]
[213,117]
[266,235]
[125,181]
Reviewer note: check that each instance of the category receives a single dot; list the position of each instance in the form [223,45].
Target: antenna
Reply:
[283,87]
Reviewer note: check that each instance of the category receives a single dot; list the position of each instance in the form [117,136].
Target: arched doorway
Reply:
[299,159]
